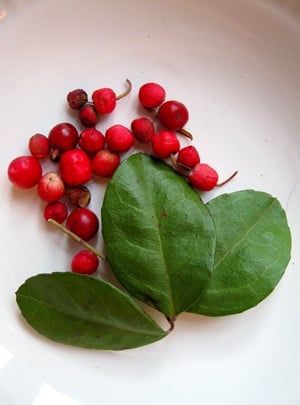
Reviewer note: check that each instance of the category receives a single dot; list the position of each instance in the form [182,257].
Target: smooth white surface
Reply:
[235,64]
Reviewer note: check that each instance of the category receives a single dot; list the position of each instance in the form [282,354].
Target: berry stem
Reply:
[185,133]
[76,238]
[227,180]
[179,167]
[126,92]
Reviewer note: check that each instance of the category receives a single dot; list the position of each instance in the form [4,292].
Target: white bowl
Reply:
[235,64]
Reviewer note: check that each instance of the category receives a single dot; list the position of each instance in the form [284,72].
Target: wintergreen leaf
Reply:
[159,236]
[84,311]
[253,249]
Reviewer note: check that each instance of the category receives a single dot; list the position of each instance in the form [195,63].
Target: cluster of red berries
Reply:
[79,156]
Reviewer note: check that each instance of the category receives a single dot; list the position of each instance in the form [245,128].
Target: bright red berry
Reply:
[173,115]
[63,136]
[75,167]
[38,146]
[77,98]
[85,262]
[24,171]
[56,210]
[83,222]
[91,140]
[188,157]
[118,138]
[105,163]
[151,95]
[88,115]
[165,143]
[143,129]
[203,177]
[104,100]
[51,187]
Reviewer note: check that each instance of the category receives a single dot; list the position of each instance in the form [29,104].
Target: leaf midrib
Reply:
[235,245]
[156,227]
[88,319]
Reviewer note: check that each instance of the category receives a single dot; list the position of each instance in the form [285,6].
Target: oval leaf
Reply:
[253,249]
[84,311]
[159,236]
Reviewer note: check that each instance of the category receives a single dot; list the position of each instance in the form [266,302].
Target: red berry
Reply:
[38,145]
[51,187]
[104,100]
[83,222]
[165,143]
[75,167]
[151,95]
[203,177]
[173,115]
[119,139]
[85,262]
[105,163]
[143,129]
[77,98]
[88,115]
[56,210]
[91,140]
[188,157]
[63,136]
[24,171]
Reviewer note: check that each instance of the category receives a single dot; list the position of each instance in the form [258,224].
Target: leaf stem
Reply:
[76,238]
[171,320]
[126,92]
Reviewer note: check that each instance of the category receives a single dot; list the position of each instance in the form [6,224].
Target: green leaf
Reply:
[252,252]
[84,311]
[159,236]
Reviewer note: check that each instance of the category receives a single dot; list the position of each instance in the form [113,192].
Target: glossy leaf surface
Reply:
[84,311]
[159,236]
[253,249]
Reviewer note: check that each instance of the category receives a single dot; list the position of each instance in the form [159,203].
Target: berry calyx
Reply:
[77,98]
[57,211]
[119,139]
[85,262]
[24,171]
[38,146]
[143,129]
[83,222]
[105,163]
[165,143]
[51,187]
[188,157]
[75,167]
[91,140]
[173,115]
[151,95]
